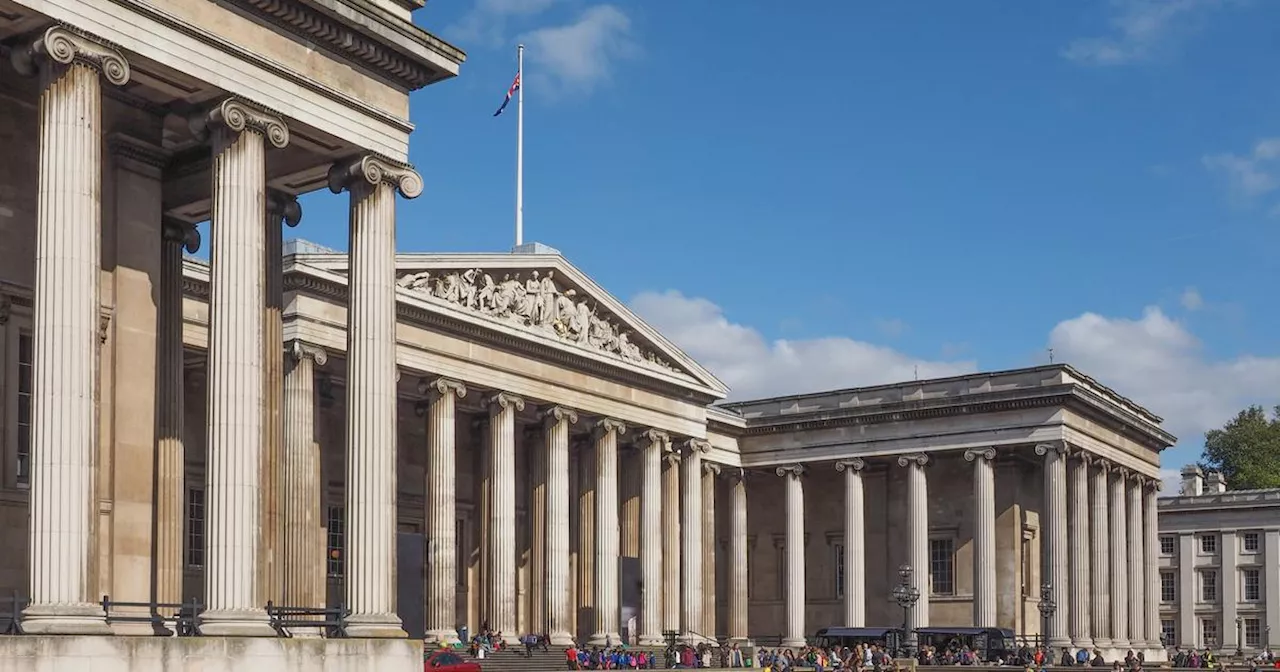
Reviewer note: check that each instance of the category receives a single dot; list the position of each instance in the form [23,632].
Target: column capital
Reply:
[605,426]
[1154,485]
[975,454]
[1055,447]
[174,230]
[791,470]
[502,401]
[65,45]
[701,446]
[283,207]
[434,388]
[556,414]
[299,350]
[655,436]
[913,460]
[239,115]
[735,474]
[375,170]
[672,458]
[711,468]
[854,464]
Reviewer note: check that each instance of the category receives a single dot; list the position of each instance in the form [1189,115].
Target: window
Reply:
[1250,542]
[1208,633]
[1168,587]
[1169,632]
[1208,585]
[1208,544]
[195,527]
[1168,544]
[336,536]
[839,565]
[1252,633]
[25,351]
[1252,585]
[942,567]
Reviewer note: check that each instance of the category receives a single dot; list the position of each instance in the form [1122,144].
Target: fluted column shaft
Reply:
[371,391]
[1101,566]
[304,576]
[855,554]
[1119,562]
[65,321]
[441,515]
[738,561]
[691,536]
[794,590]
[709,473]
[671,540]
[653,444]
[918,535]
[1137,573]
[1151,563]
[1078,514]
[984,536]
[556,423]
[501,607]
[607,602]
[1055,538]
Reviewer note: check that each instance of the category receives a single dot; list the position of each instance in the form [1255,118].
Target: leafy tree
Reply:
[1246,450]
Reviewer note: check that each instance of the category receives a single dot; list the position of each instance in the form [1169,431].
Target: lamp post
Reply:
[906,595]
[1239,636]
[1047,607]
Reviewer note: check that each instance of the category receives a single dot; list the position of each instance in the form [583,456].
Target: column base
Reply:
[375,626]
[652,640]
[794,643]
[561,638]
[442,636]
[1101,643]
[64,619]
[236,623]
[1086,644]
[608,639]
[1060,643]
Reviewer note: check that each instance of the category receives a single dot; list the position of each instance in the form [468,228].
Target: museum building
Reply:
[439,442]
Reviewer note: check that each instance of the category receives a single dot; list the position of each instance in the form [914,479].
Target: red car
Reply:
[448,661]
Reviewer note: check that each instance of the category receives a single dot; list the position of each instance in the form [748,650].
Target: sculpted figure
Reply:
[627,349]
[485,294]
[467,290]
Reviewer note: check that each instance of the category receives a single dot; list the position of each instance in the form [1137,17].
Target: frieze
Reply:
[534,302]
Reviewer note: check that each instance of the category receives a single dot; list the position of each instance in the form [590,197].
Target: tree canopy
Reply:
[1246,450]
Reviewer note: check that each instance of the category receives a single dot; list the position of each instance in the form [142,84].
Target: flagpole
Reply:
[520,147]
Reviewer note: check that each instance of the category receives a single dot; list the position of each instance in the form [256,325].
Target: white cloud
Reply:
[1252,175]
[1141,29]
[577,56]
[891,327]
[1191,299]
[487,23]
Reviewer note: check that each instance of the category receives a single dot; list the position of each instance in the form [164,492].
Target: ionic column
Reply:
[1054,535]
[1078,514]
[671,538]
[1119,562]
[984,536]
[371,390]
[304,577]
[555,422]
[918,534]
[1137,573]
[171,490]
[855,554]
[738,576]
[1151,564]
[691,536]
[607,602]
[1101,545]
[535,532]
[794,589]
[653,444]
[233,473]
[501,606]
[441,513]
[68,236]
[709,473]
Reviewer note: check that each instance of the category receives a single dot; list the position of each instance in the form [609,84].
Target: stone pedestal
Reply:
[441,513]
[795,635]
[556,421]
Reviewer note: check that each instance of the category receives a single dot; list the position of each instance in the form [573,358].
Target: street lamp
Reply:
[1239,636]
[1047,607]
[906,595]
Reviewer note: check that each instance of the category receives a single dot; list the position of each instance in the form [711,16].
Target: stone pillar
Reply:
[653,444]
[607,603]
[171,489]
[691,536]
[1101,564]
[984,536]
[1137,575]
[304,546]
[586,465]
[738,563]
[709,473]
[1054,535]
[441,513]
[1151,563]
[556,421]
[671,538]
[855,552]
[918,534]
[371,390]
[66,317]
[233,473]
[534,530]
[1078,522]
[1119,563]
[501,607]
[794,590]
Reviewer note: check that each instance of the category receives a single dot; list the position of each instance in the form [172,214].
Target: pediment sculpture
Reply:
[535,302]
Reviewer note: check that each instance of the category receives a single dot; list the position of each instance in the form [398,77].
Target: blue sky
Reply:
[827,194]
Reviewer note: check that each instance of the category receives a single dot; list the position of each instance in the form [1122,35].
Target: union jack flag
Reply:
[511,92]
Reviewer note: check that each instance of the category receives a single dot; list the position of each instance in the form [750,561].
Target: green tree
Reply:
[1246,450]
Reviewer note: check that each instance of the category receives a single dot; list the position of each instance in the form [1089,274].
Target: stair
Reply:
[513,659]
